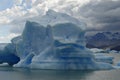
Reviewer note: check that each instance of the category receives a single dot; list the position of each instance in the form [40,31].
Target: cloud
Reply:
[98,14]
[25,9]
[9,15]
[7,38]
[102,15]
[18,2]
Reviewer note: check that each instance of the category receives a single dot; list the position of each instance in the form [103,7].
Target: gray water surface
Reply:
[9,73]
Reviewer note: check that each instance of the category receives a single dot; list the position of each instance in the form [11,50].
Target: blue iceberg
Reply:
[118,64]
[8,54]
[100,57]
[61,46]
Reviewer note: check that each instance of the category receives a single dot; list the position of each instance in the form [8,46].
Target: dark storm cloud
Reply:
[102,15]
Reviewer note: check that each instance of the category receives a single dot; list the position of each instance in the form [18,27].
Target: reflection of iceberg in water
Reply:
[60,47]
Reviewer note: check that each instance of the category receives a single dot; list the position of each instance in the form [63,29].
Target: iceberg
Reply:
[7,54]
[118,64]
[61,46]
[35,39]
[113,51]
[52,18]
[26,61]
[96,50]
[2,46]
[100,57]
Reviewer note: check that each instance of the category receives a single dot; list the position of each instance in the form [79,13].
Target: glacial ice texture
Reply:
[8,54]
[59,47]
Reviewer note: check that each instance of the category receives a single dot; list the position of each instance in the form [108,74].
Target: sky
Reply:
[99,15]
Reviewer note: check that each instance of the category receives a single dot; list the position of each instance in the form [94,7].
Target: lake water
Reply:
[9,73]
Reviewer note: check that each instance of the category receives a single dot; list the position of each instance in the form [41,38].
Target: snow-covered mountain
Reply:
[104,40]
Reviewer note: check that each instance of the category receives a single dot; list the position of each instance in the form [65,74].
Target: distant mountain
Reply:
[116,48]
[104,40]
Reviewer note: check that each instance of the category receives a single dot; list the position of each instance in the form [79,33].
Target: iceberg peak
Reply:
[51,12]
[52,18]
